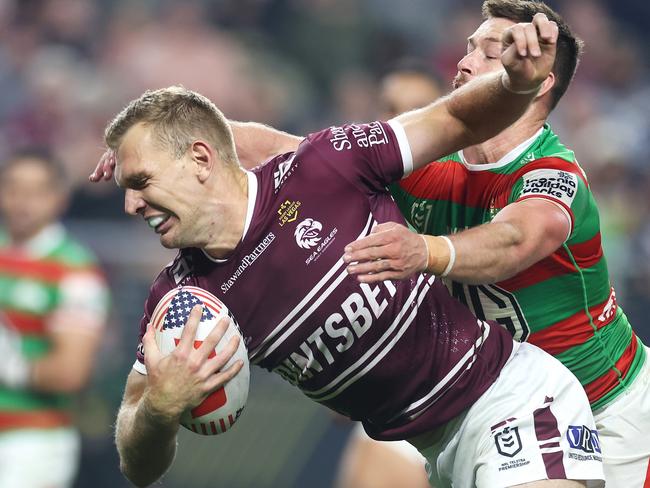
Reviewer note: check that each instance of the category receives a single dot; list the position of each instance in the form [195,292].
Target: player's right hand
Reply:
[184,378]
[105,167]
[529,53]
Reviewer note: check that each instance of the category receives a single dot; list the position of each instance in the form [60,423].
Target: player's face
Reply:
[483,51]
[159,187]
[29,198]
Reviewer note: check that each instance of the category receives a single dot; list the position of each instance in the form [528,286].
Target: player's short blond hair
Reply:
[178,117]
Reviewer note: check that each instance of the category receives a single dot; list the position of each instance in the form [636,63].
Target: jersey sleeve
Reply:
[163,283]
[563,184]
[369,155]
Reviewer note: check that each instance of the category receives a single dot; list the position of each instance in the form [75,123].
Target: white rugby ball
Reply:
[219,411]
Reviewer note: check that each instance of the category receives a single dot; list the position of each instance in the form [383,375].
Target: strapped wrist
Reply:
[505,81]
[441,254]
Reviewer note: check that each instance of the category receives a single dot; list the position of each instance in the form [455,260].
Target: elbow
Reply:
[138,479]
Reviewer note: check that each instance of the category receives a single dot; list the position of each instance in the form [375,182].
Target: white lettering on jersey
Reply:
[247,261]
[554,183]
[365,135]
[359,311]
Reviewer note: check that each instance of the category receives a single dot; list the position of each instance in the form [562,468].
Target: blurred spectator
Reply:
[53,303]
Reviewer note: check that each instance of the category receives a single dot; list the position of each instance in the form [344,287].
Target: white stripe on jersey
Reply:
[328,390]
[254,356]
[448,381]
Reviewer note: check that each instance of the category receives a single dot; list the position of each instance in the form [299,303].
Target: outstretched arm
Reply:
[148,419]
[520,235]
[487,105]
[254,143]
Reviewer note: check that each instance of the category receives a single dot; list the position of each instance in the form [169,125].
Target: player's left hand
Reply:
[105,167]
[390,252]
[529,53]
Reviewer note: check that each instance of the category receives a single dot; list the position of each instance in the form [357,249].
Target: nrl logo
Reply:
[508,441]
[307,233]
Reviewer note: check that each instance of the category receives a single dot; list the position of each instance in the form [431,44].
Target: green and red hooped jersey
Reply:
[42,284]
[565,303]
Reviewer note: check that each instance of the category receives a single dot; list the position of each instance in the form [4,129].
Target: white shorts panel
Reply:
[533,424]
[31,458]
[624,428]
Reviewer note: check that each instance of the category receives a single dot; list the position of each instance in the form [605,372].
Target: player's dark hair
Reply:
[569,47]
[40,156]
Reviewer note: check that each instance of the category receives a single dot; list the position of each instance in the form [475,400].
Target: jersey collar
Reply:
[505,160]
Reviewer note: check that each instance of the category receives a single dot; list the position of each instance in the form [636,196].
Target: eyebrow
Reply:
[472,39]
[133,180]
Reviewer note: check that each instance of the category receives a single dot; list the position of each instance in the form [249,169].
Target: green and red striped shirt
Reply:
[42,284]
[564,303]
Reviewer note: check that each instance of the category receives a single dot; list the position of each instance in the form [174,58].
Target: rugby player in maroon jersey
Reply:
[403,357]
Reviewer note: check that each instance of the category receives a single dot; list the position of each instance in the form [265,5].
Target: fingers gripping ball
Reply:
[221,409]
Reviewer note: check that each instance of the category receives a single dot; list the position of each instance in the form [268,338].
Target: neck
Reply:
[495,148]
[227,214]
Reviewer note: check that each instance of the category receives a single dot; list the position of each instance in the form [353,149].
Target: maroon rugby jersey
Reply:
[401,356]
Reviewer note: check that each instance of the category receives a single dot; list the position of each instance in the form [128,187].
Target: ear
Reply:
[203,156]
[547,85]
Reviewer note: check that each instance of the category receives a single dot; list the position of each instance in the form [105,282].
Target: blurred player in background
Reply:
[404,357]
[53,303]
[534,260]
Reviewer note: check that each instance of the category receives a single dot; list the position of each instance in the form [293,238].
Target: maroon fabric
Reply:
[545,429]
[396,355]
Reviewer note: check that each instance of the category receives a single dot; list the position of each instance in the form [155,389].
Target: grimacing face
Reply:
[159,188]
[483,51]
[29,199]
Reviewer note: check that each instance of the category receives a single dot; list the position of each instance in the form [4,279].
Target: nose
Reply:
[133,202]
[466,64]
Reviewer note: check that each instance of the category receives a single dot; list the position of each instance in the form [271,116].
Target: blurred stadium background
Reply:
[66,66]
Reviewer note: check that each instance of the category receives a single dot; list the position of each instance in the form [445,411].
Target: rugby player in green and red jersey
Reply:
[531,258]
[53,306]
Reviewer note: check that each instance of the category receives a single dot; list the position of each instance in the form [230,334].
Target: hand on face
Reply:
[390,252]
[184,378]
[529,53]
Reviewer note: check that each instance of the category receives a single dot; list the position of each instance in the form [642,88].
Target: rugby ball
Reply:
[219,411]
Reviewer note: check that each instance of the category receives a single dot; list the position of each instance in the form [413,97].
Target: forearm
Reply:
[256,143]
[487,110]
[471,114]
[146,443]
[488,253]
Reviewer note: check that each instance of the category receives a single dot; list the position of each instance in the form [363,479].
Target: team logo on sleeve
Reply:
[553,183]
[307,233]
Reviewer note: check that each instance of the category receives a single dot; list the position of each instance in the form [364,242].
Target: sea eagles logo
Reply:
[508,441]
[307,233]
